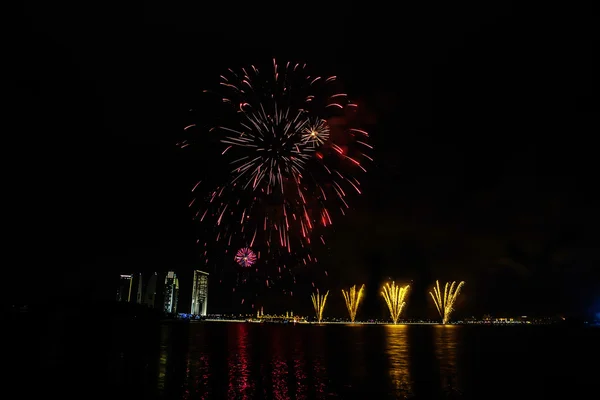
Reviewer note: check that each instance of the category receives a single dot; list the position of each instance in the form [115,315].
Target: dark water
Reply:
[252,361]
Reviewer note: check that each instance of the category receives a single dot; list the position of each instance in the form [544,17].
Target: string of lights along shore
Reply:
[293,150]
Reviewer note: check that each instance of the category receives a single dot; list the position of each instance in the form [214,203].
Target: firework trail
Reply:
[294,155]
[319,304]
[394,297]
[353,299]
[445,303]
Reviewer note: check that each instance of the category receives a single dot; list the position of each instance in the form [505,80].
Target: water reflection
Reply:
[318,356]
[299,368]
[256,361]
[279,368]
[399,367]
[240,385]
[246,361]
[198,375]
[355,344]
[162,359]
[446,351]
[171,367]
[290,359]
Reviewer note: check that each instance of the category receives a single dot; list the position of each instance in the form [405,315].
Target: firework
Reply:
[319,304]
[445,303]
[315,133]
[294,157]
[394,297]
[245,257]
[353,299]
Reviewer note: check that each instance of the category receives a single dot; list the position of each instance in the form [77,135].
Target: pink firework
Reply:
[245,257]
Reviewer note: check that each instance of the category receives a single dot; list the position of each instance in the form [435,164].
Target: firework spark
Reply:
[353,299]
[294,155]
[315,133]
[245,257]
[445,303]
[319,304]
[394,296]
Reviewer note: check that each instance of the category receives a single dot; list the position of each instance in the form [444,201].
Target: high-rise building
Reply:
[171,292]
[138,298]
[200,293]
[124,289]
[150,297]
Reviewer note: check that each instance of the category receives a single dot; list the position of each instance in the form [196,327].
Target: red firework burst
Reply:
[245,257]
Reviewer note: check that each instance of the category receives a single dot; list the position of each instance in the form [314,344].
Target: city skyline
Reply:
[163,291]
[398,302]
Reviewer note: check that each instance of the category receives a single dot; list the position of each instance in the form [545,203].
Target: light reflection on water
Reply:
[399,361]
[197,373]
[356,345]
[319,356]
[279,369]
[446,350]
[252,361]
[299,371]
[240,384]
[162,358]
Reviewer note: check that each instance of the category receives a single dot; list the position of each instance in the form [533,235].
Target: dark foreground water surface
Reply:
[255,361]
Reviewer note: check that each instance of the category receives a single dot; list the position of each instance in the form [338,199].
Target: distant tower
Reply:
[151,291]
[200,293]
[139,291]
[124,289]
[171,291]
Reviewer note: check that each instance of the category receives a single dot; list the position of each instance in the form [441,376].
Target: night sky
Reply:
[482,118]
